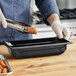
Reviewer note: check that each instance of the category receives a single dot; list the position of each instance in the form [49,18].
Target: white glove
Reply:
[3,20]
[60,30]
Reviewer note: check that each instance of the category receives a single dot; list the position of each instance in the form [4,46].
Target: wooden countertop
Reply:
[60,65]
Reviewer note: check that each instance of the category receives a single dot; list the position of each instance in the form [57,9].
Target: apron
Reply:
[17,10]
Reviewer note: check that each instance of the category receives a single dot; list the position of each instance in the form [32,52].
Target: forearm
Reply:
[47,8]
[52,18]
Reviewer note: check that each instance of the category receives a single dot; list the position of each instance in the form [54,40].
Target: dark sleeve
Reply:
[46,8]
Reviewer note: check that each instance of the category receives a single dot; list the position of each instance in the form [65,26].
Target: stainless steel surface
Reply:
[17,25]
[10,70]
[44,31]
[71,24]
[66,4]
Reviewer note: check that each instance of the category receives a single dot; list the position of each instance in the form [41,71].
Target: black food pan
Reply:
[37,47]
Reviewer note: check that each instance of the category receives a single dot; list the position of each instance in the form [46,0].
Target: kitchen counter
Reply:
[60,65]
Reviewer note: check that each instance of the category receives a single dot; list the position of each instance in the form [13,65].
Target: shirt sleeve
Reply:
[46,8]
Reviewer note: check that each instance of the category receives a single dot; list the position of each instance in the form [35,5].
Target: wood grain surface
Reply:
[60,65]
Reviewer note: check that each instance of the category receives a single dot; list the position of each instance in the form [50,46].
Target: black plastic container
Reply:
[37,47]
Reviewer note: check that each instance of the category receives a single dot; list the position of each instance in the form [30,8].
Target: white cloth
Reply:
[3,20]
[61,30]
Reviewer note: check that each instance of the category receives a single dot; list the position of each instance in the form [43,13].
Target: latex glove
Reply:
[3,20]
[61,30]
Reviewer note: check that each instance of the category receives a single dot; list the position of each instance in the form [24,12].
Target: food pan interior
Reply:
[31,42]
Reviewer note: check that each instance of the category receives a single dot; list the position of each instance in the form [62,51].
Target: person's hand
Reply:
[3,20]
[61,30]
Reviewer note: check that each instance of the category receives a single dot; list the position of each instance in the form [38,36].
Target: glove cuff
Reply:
[56,22]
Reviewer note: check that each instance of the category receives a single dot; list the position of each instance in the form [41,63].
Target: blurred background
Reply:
[67,10]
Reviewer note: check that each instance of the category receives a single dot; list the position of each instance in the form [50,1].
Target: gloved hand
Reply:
[60,30]
[3,20]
